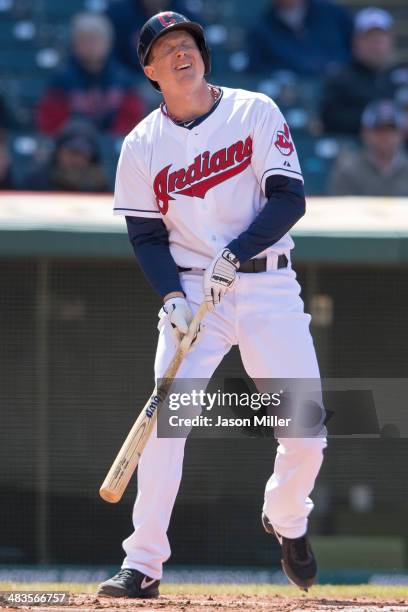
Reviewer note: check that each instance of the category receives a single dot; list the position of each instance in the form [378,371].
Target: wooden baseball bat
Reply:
[128,457]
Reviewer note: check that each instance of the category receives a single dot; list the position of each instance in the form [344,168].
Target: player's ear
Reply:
[149,71]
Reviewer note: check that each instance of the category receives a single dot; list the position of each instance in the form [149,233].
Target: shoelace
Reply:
[125,573]
[300,549]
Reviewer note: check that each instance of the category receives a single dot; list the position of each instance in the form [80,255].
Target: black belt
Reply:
[252,265]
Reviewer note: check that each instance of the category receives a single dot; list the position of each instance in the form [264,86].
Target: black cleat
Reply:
[298,562]
[129,583]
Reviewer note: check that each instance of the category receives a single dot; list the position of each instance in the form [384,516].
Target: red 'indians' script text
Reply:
[205,172]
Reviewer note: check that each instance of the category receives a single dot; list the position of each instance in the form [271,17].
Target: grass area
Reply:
[326,590]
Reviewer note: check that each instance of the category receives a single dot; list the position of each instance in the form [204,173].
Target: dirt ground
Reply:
[218,603]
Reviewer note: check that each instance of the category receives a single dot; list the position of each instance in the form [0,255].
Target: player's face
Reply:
[175,61]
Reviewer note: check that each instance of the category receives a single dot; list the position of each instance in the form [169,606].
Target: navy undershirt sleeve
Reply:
[150,241]
[285,206]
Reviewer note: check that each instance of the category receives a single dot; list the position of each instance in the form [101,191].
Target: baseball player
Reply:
[210,185]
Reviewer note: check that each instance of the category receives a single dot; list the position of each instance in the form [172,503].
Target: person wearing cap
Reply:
[381,167]
[92,86]
[306,37]
[74,164]
[210,185]
[371,74]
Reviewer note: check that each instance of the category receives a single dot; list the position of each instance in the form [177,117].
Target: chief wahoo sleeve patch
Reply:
[283,141]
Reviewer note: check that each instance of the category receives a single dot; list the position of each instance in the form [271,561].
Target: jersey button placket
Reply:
[193,149]
[198,144]
[209,203]
[199,148]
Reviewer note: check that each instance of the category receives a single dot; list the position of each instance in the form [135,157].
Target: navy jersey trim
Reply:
[188,125]
[153,212]
[283,170]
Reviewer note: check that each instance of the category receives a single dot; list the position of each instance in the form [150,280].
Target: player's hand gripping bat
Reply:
[128,457]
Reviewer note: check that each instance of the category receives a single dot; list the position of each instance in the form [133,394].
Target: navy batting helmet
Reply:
[165,22]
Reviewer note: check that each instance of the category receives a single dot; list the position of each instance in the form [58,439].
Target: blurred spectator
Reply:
[5,119]
[6,178]
[381,167]
[74,165]
[128,16]
[304,36]
[401,100]
[370,75]
[93,85]
[9,117]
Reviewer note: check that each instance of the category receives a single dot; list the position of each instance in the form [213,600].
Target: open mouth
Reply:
[183,67]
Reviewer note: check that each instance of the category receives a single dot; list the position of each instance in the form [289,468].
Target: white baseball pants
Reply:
[262,313]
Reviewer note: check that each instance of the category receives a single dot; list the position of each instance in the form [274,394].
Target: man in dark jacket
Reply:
[304,36]
[370,75]
[93,86]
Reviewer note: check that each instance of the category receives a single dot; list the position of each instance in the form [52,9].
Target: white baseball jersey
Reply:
[207,183]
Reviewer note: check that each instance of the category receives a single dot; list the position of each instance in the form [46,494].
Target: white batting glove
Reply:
[219,276]
[180,316]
